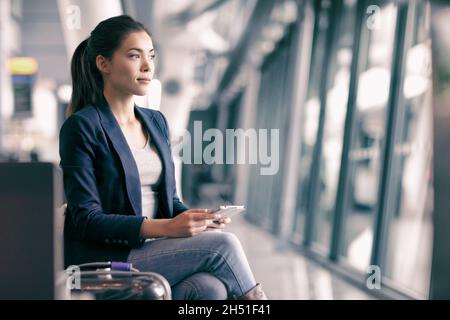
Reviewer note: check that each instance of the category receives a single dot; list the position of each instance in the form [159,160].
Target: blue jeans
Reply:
[211,265]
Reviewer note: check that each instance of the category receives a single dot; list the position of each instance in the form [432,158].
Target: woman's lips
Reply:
[144,81]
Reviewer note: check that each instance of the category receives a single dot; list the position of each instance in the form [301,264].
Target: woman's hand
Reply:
[218,225]
[191,222]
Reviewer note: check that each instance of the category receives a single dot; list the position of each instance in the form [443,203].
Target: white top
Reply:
[150,168]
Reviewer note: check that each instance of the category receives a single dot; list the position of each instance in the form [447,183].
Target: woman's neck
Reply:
[122,106]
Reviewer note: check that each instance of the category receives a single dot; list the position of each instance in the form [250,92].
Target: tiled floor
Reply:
[286,275]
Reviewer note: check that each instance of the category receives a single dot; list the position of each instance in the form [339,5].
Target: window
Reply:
[409,246]
[310,117]
[365,154]
[335,113]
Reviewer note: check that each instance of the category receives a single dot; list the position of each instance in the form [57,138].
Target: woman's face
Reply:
[131,67]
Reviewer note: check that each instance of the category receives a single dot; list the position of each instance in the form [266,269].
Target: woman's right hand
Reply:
[191,222]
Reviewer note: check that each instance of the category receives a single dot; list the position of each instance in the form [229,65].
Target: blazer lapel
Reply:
[120,144]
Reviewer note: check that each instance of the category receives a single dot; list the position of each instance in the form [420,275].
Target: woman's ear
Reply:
[103,64]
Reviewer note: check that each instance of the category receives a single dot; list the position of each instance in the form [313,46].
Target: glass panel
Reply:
[257,210]
[285,55]
[310,117]
[370,119]
[265,190]
[410,233]
[334,124]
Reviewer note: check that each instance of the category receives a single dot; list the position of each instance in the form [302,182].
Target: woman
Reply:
[119,177]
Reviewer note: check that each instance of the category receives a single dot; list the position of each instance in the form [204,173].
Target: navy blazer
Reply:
[102,186]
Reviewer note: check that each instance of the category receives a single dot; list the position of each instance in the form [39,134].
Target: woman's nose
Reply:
[145,65]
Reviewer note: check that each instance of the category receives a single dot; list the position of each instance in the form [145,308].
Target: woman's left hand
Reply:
[217,226]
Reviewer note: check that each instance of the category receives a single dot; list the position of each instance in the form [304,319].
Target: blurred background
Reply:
[357,89]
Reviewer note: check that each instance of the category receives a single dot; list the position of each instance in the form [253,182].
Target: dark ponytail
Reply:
[86,86]
[87,81]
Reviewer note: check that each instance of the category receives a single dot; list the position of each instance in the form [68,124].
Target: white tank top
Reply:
[150,168]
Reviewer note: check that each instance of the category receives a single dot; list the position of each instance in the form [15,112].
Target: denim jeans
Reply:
[200,286]
[210,265]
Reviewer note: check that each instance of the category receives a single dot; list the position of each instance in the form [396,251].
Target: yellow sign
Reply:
[22,65]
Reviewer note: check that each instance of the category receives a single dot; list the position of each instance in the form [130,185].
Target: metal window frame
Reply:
[315,8]
[359,40]
[387,175]
[301,58]
[440,284]
[311,216]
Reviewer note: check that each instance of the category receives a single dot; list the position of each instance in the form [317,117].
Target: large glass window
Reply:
[310,117]
[370,117]
[273,110]
[410,231]
[286,60]
[335,112]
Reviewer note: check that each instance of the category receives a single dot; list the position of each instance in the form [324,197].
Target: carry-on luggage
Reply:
[116,281]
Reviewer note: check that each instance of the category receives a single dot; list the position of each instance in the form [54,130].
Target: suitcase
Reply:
[115,281]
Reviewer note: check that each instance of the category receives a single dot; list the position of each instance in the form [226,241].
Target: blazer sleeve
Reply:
[178,205]
[77,145]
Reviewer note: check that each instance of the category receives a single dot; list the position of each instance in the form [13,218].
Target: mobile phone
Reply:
[228,211]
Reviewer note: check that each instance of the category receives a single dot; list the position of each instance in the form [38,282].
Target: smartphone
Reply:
[228,211]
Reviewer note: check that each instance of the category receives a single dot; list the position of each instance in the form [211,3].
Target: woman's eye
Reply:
[152,57]
[134,56]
